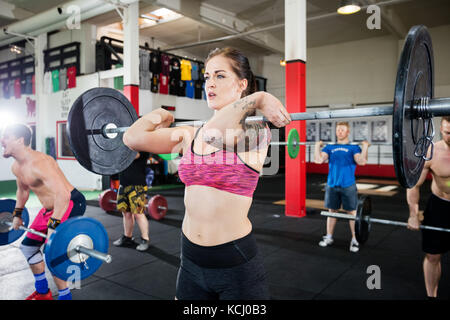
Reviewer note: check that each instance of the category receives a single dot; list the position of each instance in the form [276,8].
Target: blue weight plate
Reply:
[6,208]
[56,248]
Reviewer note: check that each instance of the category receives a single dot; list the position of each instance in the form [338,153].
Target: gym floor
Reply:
[298,269]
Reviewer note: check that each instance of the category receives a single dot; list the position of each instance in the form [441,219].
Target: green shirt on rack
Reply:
[55,80]
[118,81]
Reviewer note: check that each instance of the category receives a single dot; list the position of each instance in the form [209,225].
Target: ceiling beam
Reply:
[226,21]
[256,10]
[6,10]
[12,12]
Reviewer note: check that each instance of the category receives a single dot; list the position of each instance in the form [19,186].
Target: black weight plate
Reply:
[89,114]
[415,79]
[362,224]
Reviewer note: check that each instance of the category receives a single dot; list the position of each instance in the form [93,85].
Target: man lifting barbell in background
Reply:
[437,212]
[38,172]
[132,200]
[341,187]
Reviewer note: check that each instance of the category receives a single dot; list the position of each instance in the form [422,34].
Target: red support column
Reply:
[131,91]
[295,56]
[295,177]
[131,54]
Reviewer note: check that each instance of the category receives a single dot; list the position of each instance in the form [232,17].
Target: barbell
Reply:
[72,245]
[157,205]
[363,220]
[99,117]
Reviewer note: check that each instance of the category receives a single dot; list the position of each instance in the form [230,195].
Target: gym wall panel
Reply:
[352,72]
[19,110]
[357,72]
[57,106]
[86,35]
[275,74]
[185,108]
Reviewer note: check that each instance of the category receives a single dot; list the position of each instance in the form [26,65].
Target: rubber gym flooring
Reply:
[297,268]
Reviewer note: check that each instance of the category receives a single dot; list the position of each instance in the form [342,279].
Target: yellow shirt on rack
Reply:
[186,70]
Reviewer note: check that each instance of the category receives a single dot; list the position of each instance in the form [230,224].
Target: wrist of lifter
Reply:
[413,214]
[53,223]
[260,98]
[17,212]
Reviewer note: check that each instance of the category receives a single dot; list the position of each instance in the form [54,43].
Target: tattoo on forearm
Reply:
[245,104]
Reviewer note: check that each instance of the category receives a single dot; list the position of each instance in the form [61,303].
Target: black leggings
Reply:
[230,271]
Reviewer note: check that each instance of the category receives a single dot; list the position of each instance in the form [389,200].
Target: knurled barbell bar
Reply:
[72,244]
[363,220]
[99,117]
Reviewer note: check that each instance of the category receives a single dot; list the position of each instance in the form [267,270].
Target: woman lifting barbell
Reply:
[220,167]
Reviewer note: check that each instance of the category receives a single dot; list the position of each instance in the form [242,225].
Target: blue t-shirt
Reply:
[341,164]
[190,89]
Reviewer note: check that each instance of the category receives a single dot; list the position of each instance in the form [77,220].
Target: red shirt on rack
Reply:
[163,84]
[72,77]
[17,92]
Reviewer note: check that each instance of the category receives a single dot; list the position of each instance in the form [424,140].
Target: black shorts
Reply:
[230,271]
[436,214]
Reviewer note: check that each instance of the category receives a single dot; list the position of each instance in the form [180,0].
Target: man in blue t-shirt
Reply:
[341,187]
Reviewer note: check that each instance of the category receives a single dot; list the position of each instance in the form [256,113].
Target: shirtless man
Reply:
[437,212]
[38,172]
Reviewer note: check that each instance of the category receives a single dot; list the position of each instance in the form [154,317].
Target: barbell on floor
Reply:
[363,220]
[99,117]
[157,205]
[73,243]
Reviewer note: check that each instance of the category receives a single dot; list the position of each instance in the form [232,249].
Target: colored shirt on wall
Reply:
[63,79]
[55,80]
[72,77]
[165,64]
[186,70]
[17,87]
[190,89]
[163,84]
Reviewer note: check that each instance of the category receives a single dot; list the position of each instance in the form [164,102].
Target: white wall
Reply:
[17,109]
[86,35]
[57,105]
[358,72]
[185,108]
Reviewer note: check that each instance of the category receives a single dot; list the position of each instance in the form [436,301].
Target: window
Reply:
[63,147]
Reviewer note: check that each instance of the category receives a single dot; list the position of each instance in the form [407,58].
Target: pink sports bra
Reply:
[223,170]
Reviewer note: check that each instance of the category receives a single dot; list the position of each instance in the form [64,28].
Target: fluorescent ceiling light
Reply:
[348,7]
